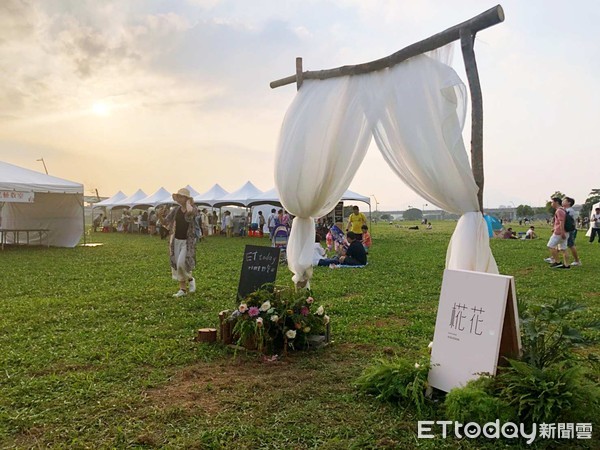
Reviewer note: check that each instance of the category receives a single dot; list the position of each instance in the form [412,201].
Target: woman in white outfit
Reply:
[180,221]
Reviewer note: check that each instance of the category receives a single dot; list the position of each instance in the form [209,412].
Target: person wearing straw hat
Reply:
[180,221]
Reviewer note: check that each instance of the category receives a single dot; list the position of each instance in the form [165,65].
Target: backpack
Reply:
[569,222]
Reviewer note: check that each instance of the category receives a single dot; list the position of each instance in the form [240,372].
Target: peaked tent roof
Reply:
[160,197]
[15,178]
[210,197]
[241,197]
[131,200]
[271,197]
[111,201]
[351,195]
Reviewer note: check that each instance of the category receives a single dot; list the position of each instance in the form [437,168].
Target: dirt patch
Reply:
[211,388]
[390,322]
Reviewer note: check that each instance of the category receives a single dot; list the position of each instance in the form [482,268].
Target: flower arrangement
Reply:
[274,317]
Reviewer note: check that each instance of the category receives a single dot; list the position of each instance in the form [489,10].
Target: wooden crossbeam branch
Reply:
[482,21]
[464,31]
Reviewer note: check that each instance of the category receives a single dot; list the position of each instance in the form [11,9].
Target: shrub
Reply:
[477,402]
[399,380]
[547,334]
[553,394]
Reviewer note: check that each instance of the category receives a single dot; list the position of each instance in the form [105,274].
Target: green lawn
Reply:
[95,353]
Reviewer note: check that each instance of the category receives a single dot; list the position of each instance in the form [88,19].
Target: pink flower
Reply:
[309,300]
[304,311]
[253,311]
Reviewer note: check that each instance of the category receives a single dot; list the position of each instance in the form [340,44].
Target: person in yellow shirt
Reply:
[356,221]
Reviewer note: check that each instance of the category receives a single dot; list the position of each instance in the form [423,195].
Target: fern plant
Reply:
[399,380]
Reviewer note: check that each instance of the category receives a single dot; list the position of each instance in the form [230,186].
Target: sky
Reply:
[128,94]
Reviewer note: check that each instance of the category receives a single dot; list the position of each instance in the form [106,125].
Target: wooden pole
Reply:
[482,21]
[467,38]
[299,75]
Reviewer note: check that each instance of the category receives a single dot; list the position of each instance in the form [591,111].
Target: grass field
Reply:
[95,353]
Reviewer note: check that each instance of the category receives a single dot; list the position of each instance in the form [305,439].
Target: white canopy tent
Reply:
[130,201]
[109,202]
[241,197]
[212,196]
[160,197]
[57,206]
[271,197]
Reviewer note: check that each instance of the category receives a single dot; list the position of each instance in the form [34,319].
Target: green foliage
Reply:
[400,380]
[478,402]
[593,198]
[548,337]
[412,214]
[525,211]
[553,394]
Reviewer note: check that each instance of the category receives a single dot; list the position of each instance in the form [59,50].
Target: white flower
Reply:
[274,318]
[320,311]
[259,321]
[306,329]
[430,346]
[291,334]
[417,365]
[243,308]
[325,319]
[265,306]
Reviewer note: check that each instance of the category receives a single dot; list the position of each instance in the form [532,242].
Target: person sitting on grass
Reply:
[318,252]
[531,233]
[509,234]
[355,254]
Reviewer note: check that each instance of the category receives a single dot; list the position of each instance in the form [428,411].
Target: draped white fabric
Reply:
[415,111]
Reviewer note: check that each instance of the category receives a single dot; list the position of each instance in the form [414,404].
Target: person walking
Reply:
[558,241]
[567,204]
[182,247]
[261,224]
[271,222]
[595,219]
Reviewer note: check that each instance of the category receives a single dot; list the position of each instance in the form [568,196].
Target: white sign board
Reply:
[16,196]
[477,323]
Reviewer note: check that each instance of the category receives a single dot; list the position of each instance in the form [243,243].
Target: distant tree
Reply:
[525,211]
[586,208]
[385,217]
[413,214]
[549,208]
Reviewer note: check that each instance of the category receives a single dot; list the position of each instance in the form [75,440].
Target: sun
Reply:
[101,109]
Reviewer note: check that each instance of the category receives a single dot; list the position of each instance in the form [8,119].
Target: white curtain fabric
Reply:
[415,111]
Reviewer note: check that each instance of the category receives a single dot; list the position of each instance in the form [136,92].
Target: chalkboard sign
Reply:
[258,267]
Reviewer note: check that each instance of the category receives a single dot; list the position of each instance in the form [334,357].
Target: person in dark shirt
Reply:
[355,254]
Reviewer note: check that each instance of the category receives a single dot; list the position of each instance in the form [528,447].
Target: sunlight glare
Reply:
[100,109]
